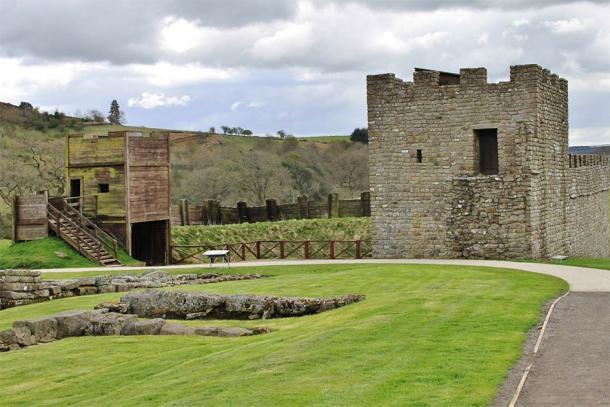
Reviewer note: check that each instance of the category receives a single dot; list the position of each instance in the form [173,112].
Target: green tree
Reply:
[360,135]
[115,116]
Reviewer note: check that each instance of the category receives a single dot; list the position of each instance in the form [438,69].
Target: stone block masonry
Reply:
[463,168]
[23,287]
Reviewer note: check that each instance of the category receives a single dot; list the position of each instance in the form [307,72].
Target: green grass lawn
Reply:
[306,229]
[425,336]
[50,252]
[601,263]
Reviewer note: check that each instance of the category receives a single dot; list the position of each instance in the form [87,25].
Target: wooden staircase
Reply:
[82,234]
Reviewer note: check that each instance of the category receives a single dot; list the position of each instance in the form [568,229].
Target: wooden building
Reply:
[121,182]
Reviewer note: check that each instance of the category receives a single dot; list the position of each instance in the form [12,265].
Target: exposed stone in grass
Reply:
[181,305]
[103,323]
[22,287]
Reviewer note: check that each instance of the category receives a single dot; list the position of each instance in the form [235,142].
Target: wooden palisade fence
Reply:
[211,213]
[277,249]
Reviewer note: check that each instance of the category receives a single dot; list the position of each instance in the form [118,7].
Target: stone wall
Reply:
[428,196]
[21,287]
[587,206]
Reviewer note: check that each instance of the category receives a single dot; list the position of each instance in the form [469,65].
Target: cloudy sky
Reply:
[293,65]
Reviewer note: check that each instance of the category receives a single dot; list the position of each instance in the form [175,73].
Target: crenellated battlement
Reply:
[468,77]
[588,160]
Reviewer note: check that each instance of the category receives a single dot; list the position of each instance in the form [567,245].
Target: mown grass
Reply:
[425,336]
[50,252]
[306,229]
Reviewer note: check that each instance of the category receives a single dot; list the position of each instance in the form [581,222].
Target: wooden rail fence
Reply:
[211,213]
[277,249]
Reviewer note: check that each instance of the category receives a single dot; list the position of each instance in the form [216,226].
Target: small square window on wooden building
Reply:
[488,151]
[420,157]
[103,188]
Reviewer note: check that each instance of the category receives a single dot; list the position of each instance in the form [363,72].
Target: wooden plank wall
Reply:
[100,159]
[148,177]
[191,214]
[30,217]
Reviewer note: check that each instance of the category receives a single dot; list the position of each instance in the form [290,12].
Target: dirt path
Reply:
[572,366]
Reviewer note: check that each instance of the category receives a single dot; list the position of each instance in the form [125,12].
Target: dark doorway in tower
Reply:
[150,242]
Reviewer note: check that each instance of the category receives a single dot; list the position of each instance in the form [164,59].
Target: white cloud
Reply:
[291,39]
[180,35]
[19,80]
[236,105]
[165,74]
[521,22]
[572,25]
[256,104]
[152,100]
[590,136]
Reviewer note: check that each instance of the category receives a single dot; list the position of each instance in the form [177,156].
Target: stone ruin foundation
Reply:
[101,322]
[181,305]
[22,287]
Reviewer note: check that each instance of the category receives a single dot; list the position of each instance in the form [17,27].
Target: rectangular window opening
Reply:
[420,157]
[488,151]
[103,188]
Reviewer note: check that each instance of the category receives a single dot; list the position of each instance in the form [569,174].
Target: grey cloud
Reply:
[406,5]
[117,31]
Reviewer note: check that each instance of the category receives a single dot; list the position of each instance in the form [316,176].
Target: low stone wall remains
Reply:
[22,287]
[181,305]
[101,322]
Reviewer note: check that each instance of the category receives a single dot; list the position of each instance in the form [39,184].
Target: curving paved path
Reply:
[579,278]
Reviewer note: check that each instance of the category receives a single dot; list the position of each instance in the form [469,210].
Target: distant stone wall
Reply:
[587,206]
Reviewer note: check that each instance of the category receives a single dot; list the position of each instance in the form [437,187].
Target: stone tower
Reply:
[464,168]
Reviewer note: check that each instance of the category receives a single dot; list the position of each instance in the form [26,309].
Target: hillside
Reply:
[204,166]
[601,149]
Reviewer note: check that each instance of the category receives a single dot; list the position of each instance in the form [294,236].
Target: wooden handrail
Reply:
[111,243]
[59,217]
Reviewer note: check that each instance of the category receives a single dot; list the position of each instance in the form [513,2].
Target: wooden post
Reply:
[282,249]
[258,249]
[365,204]
[272,210]
[15,217]
[358,249]
[303,207]
[306,249]
[333,205]
[181,210]
[242,212]
[332,249]
[205,215]
[243,251]
[187,217]
[214,212]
